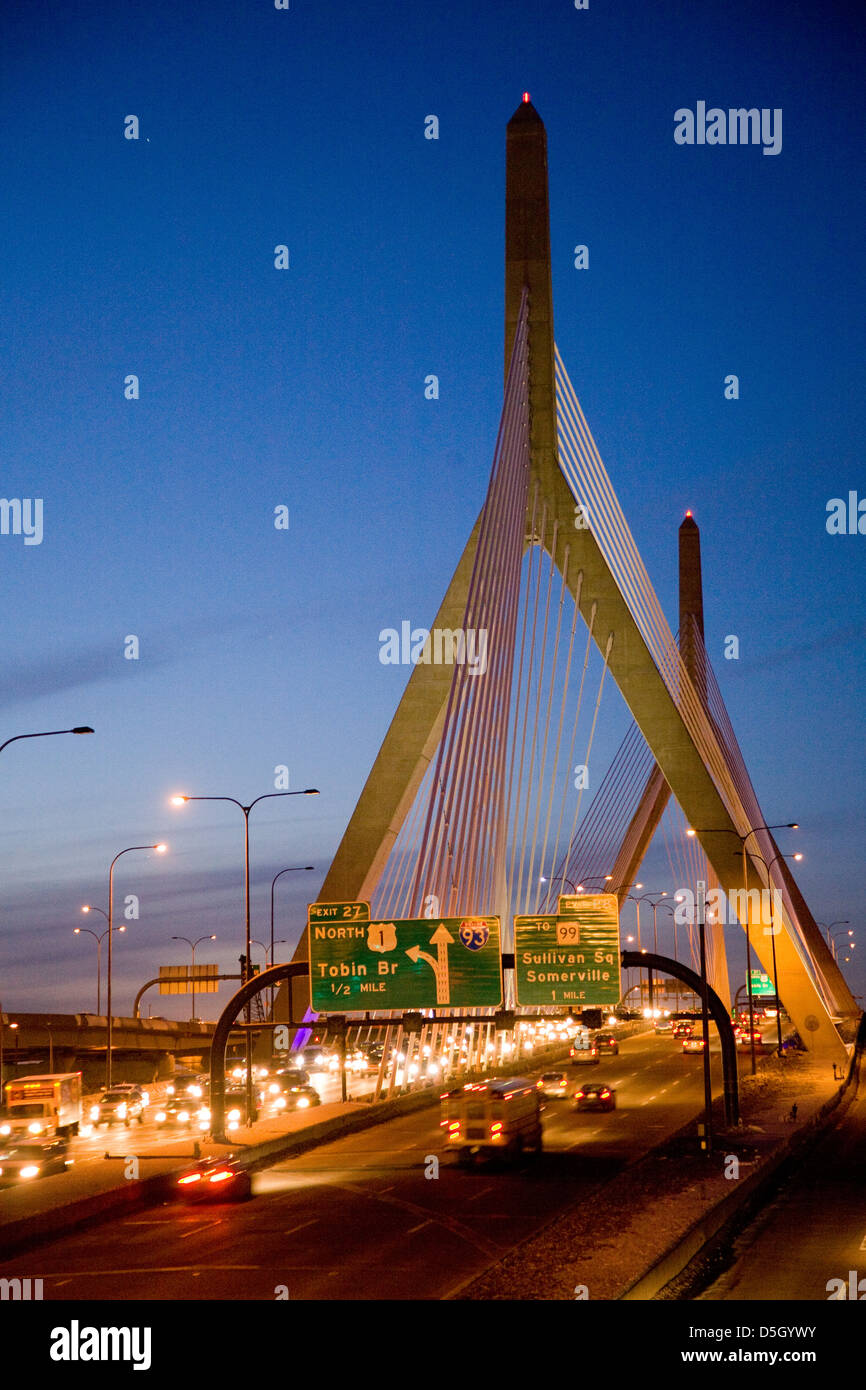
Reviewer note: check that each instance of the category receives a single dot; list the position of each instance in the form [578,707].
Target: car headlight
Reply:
[303,1102]
[34,1128]
[273,1089]
[195,1091]
[160,1117]
[183,1116]
[94,1112]
[234,1114]
[280,1103]
[5,1129]
[31,1171]
[121,1110]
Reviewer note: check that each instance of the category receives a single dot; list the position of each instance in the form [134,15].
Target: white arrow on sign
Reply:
[441,939]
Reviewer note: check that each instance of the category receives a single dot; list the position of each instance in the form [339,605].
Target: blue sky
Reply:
[305,388]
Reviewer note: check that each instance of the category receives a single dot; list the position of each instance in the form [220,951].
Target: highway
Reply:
[815,1230]
[356,1218]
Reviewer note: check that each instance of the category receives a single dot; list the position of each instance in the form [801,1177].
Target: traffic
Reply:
[47,1125]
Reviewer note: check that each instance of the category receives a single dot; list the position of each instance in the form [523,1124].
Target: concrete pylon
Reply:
[656,793]
[416,727]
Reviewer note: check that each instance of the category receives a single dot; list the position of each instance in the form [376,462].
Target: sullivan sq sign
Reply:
[571,958]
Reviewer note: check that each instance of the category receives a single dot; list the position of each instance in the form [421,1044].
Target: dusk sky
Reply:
[304,388]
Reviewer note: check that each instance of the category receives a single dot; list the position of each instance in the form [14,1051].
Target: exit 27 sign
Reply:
[408,963]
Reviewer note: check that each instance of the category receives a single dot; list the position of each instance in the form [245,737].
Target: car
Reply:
[745,1039]
[214,1180]
[186,1083]
[693,1046]
[683,1030]
[284,1079]
[553,1085]
[134,1089]
[183,1112]
[606,1042]
[580,1054]
[595,1097]
[24,1162]
[288,1089]
[298,1098]
[663,1025]
[317,1059]
[235,1112]
[116,1107]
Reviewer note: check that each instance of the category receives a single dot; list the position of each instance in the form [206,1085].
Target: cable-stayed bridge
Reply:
[477,802]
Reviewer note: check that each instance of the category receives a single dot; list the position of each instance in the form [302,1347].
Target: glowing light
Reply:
[525,98]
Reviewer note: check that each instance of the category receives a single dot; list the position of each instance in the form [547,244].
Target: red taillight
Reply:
[605,1094]
[187,1178]
[221,1175]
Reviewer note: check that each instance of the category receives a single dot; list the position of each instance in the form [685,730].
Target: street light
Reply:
[78,931]
[840,922]
[769,868]
[835,947]
[295,869]
[193,944]
[48,733]
[728,830]
[160,849]
[12,1027]
[180,800]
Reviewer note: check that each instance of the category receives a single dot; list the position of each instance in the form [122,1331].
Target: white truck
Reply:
[39,1107]
[492,1117]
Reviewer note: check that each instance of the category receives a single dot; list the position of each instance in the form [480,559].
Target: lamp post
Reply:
[12,1027]
[647,898]
[831,935]
[193,944]
[835,947]
[295,869]
[48,733]
[160,849]
[181,800]
[705,1018]
[769,868]
[753,830]
[78,931]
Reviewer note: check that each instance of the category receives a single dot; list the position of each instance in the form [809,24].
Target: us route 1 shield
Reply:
[414,963]
[571,957]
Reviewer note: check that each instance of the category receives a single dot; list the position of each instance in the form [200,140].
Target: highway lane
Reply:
[358,1219]
[815,1230]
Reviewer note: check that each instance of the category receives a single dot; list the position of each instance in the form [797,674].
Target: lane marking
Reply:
[413,1229]
[863,1243]
[294,1229]
[206,1226]
[482,1193]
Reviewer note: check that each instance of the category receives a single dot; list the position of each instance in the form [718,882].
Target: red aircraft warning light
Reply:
[526,96]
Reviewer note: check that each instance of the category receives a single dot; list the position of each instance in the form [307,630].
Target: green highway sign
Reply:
[571,957]
[414,963]
[761,983]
